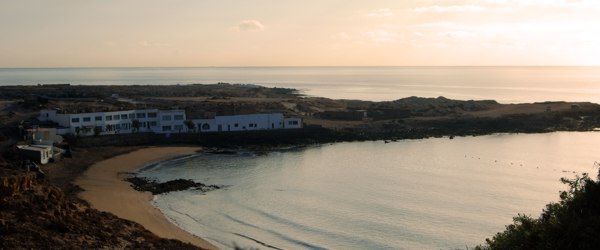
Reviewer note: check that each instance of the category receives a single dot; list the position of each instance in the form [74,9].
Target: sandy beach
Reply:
[105,190]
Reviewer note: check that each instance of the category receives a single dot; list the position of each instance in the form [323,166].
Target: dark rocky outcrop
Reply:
[145,184]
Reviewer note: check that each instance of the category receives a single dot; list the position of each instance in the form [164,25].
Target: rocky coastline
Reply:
[145,184]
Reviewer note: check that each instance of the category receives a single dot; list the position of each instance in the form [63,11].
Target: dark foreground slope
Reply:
[36,214]
[572,223]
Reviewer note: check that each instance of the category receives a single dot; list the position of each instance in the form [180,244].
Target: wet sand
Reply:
[106,191]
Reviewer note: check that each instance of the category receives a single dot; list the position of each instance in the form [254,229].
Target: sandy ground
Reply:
[105,190]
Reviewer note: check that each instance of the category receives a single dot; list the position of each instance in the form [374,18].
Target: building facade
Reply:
[161,121]
[247,122]
[117,122]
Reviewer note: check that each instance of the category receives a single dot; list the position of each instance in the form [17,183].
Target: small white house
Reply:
[247,122]
[37,153]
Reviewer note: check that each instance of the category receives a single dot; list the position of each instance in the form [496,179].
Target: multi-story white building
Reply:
[247,122]
[160,121]
[117,122]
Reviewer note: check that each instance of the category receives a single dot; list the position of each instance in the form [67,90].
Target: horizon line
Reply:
[356,66]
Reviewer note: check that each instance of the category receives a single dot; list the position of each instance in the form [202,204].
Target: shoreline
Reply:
[105,190]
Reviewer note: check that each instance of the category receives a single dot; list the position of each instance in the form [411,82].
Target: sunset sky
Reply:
[165,33]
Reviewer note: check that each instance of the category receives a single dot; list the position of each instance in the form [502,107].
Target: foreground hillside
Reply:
[35,214]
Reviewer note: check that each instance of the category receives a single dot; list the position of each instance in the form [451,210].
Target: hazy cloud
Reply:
[150,44]
[378,13]
[381,36]
[250,25]
[342,36]
[449,9]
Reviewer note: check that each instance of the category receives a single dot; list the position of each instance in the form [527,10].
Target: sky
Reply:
[194,33]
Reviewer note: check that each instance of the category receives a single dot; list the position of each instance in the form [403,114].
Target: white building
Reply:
[37,153]
[160,121]
[117,122]
[247,122]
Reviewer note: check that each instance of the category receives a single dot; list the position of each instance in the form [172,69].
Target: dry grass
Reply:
[335,124]
[223,100]
[527,108]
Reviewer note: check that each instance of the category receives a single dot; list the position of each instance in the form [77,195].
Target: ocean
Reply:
[412,194]
[504,84]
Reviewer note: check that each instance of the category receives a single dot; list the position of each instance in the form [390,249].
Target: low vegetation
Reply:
[571,223]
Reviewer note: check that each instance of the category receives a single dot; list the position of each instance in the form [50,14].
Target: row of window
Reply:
[206,126]
[175,117]
[178,128]
[128,126]
[123,117]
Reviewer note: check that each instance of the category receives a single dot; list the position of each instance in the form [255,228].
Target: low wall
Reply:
[217,139]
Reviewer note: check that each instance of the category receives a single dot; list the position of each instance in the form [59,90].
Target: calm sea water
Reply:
[414,194]
[505,84]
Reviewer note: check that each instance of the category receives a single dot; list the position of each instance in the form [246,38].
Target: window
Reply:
[178,117]
[166,128]
[87,119]
[117,126]
[124,117]
[75,120]
[292,122]
[236,125]
[116,117]
[131,116]
[98,118]
[141,115]
[178,127]
[250,125]
[166,118]
[125,126]
[205,126]
[152,115]
[152,124]
[108,118]
[98,128]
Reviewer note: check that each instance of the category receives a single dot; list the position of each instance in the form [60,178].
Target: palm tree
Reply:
[135,124]
[190,125]
[97,130]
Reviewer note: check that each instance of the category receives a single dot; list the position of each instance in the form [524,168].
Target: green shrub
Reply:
[571,223]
